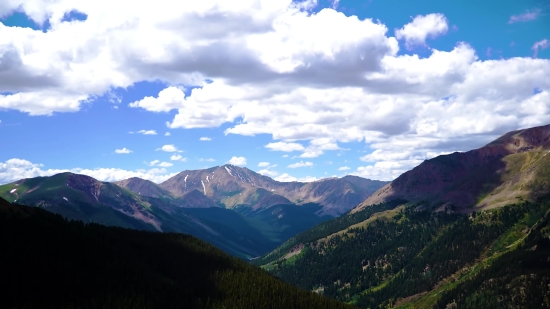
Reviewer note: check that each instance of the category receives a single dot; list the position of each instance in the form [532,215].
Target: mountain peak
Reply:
[499,173]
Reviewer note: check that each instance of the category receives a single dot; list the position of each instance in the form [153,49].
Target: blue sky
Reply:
[294,90]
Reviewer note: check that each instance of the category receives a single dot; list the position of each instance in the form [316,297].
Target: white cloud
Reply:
[422,27]
[239,161]
[15,169]
[282,146]
[167,134]
[267,172]
[147,132]
[177,157]
[288,178]
[205,139]
[268,63]
[207,160]
[123,150]
[343,168]
[159,163]
[528,15]
[540,45]
[300,164]
[169,148]
[263,164]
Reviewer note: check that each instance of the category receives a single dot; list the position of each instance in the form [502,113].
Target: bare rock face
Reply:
[475,178]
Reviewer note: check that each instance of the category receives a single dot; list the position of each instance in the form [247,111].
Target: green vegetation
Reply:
[409,258]
[48,262]
[325,229]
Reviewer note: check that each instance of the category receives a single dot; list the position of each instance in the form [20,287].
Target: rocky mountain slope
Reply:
[231,186]
[512,168]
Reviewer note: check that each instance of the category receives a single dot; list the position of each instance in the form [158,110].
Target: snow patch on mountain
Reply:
[229,171]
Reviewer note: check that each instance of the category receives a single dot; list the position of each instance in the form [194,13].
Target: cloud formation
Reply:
[421,28]
[239,161]
[313,82]
[528,15]
[123,151]
[147,132]
[300,164]
[15,169]
[169,148]
[540,45]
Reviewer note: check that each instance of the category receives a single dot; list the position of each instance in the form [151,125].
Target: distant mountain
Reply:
[53,263]
[143,187]
[512,168]
[439,236]
[231,186]
[242,233]
[80,197]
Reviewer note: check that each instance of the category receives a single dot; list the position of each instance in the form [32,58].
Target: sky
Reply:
[295,90]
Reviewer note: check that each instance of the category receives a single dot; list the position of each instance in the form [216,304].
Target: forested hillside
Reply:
[48,262]
[415,258]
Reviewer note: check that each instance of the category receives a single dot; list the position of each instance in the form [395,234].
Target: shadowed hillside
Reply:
[47,262]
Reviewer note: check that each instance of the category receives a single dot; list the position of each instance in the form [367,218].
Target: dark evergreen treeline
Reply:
[326,228]
[517,279]
[48,262]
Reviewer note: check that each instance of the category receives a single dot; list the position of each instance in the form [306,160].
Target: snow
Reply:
[65,199]
[185,179]
[203,187]
[228,171]
[13,190]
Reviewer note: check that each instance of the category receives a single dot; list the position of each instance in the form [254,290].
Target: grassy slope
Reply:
[52,263]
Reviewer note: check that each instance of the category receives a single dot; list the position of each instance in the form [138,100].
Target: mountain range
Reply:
[463,230]
[236,209]
[230,187]
[477,220]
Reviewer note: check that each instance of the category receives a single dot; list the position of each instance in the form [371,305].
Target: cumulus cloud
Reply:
[343,168]
[422,27]
[287,147]
[540,45]
[123,150]
[147,132]
[288,178]
[300,164]
[528,15]
[239,161]
[15,169]
[263,164]
[267,65]
[177,157]
[160,164]
[205,139]
[169,148]
[167,134]
[207,160]
[268,172]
